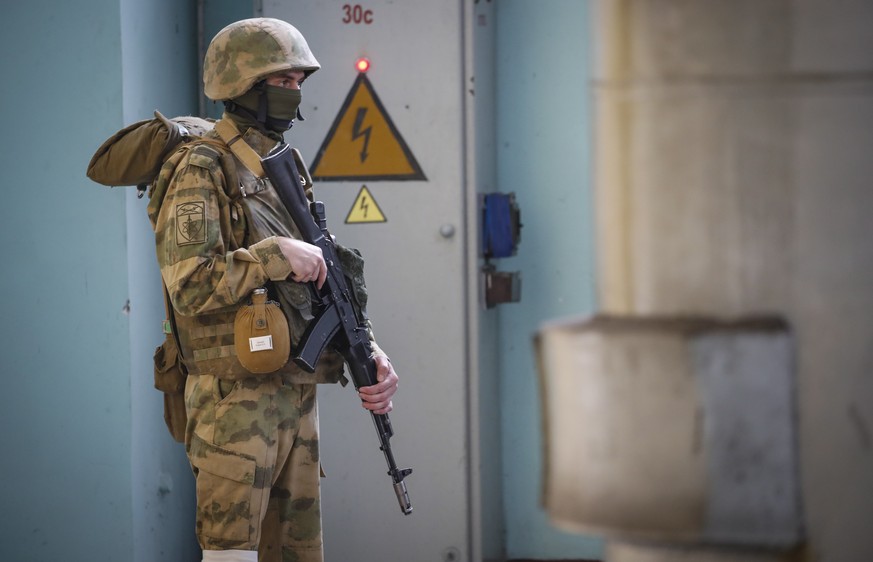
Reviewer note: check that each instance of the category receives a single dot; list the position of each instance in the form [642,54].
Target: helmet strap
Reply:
[248,116]
[262,102]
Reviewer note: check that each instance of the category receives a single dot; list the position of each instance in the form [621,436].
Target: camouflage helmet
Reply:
[247,51]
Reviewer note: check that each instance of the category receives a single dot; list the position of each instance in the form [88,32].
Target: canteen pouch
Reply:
[261,336]
[170,379]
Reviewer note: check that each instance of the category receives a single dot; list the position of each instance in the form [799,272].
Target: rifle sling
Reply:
[233,138]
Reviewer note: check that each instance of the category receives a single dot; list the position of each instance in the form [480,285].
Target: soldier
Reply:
[221,234]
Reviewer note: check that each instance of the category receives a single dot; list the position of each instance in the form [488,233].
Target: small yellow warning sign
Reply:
[365,209]
[363,144]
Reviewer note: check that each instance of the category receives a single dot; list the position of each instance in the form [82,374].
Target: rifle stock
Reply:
[337,322]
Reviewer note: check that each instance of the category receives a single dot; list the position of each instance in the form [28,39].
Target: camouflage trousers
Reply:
[253,447]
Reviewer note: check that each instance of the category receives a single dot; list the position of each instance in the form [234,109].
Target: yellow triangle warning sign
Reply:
[365,209]
[363,144]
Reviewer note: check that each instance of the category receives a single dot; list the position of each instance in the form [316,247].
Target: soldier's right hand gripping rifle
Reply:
[337,322]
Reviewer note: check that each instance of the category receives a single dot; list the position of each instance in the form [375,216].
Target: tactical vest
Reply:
[255,213]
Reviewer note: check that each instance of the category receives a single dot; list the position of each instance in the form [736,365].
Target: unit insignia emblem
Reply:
[190,223]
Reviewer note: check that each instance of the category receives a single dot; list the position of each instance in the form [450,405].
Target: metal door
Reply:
[407,216]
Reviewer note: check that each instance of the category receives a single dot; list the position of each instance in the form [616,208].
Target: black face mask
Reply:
[272,106]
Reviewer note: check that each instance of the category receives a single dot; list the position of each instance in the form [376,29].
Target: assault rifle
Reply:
[336,321]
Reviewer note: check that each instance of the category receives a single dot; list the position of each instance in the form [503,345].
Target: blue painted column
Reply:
[544,137]
[65,404]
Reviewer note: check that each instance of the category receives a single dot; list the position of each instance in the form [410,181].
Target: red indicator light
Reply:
[363,64]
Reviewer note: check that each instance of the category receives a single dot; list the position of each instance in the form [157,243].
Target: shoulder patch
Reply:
[191,223]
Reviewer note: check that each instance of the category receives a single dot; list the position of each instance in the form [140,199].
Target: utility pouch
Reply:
[261,336]
[170,379]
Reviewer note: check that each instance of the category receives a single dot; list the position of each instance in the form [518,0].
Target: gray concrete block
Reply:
[674,429]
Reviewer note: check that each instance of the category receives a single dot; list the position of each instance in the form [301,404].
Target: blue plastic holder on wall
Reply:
[500,225]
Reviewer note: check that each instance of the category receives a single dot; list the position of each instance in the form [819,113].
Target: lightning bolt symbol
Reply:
[357,132]
[364,205]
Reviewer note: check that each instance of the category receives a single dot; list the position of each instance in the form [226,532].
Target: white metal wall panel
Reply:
[415,272]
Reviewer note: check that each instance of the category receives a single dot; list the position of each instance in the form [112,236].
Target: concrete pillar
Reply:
[733,143]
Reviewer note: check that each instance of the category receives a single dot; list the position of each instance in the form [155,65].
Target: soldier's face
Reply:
[292,79]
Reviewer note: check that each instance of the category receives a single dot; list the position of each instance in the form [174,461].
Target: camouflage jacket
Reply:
[215,226]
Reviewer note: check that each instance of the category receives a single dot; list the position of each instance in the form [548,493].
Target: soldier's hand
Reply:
[307,261]
[377,397]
